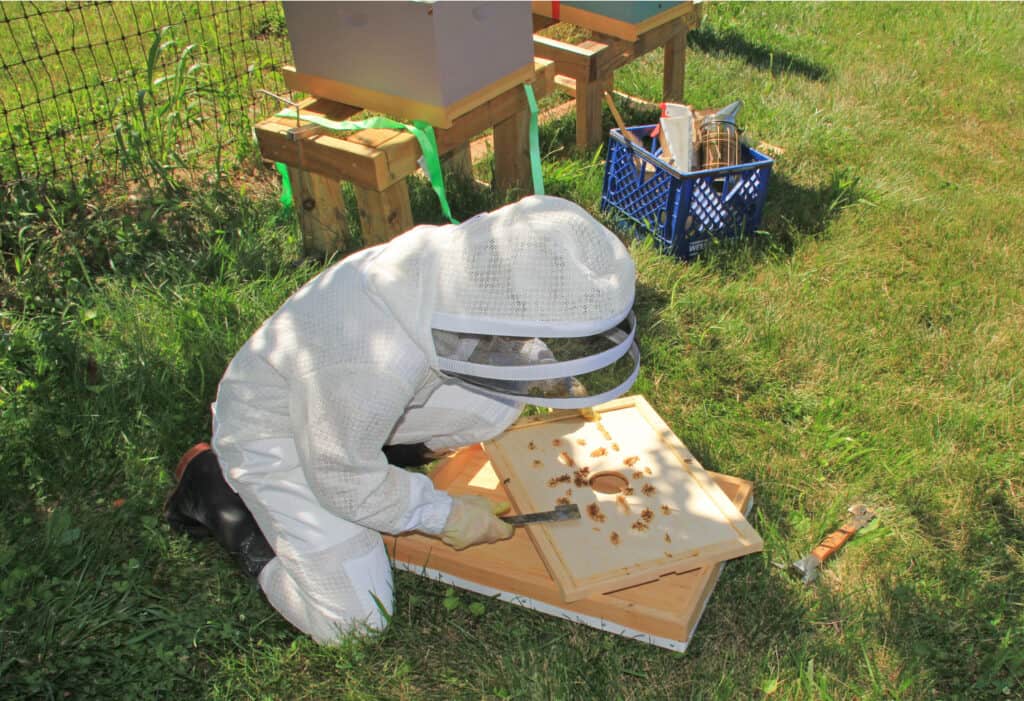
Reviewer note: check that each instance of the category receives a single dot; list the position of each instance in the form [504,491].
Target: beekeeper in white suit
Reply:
[432,341]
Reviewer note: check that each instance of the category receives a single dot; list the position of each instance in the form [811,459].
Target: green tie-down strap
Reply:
[287,199]
[538,176]
[423,132]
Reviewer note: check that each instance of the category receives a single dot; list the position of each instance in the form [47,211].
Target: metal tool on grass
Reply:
[807,567]
[562,512]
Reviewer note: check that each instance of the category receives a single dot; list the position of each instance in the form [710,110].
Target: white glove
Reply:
[472,520]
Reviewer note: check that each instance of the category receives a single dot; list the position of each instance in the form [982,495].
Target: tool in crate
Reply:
[684,210]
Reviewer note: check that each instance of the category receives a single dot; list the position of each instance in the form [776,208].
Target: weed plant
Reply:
[865,346]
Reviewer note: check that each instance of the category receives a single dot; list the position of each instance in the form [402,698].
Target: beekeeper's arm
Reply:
[342,416]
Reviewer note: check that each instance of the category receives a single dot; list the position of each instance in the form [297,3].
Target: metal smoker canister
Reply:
[720,139]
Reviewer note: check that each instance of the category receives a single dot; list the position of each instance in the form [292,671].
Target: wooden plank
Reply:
[384,214]
[674,77]
[321,209]
[403,108]
[589,101]
[669,607]
[458,162]
[569,59]
[512,154]
[651,508]
[325,154]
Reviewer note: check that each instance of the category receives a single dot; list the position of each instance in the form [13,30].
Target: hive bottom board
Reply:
[664,612]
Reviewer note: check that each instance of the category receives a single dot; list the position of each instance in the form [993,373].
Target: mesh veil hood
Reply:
[539,267]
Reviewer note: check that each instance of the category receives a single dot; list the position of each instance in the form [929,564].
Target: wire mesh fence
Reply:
[82,82]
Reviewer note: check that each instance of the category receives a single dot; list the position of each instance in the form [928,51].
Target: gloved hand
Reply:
[472,520]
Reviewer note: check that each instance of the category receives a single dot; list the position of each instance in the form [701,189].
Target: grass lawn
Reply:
[865,346]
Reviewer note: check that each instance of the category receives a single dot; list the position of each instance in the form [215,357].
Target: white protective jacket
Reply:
[348,365]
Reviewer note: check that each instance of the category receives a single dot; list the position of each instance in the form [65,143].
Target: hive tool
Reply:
[562,512]
[807,567]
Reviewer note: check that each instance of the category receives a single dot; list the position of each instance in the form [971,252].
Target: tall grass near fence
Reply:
[73,72]
[864,346]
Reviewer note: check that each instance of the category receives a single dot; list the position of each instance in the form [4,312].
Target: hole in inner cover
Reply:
[608,482]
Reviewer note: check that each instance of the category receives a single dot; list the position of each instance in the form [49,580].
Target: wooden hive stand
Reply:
[377,161]
[586,69]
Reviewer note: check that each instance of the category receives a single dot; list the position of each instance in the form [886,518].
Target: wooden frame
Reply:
[377,161]
[679,522]
[665,612]
[587,69]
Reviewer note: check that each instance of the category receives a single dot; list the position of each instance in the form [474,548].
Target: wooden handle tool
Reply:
[807,567]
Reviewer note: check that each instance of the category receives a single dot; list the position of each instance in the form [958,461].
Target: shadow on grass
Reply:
[731,42]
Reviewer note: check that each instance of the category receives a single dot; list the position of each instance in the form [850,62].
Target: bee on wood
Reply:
[632,460]
[556,442]
[531,445]
[538,463]
[594,512]
[647,471]
[561,479]
[667,510]
[581,478]
[566,459]
[639,525]
[647,515]
[648,490]
[562,501]
[623,504]
[627,491]
[614,538]
[668,538]
[598,453]
[615,447]
[638,475]
[581,441]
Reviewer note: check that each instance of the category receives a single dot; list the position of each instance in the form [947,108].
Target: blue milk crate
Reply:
[682,211]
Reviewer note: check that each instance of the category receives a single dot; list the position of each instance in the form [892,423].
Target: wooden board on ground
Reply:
[648,506]
[664,612]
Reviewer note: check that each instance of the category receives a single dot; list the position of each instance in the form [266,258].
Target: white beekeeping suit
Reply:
[431,338]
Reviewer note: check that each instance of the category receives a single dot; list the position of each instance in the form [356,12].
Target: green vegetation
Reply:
[865,346]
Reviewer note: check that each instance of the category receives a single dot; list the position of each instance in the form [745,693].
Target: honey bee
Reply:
[627,491]
[615,447]
[614,538]
[566,459]
[598,453]
[561,479]
[666,509]
[538,463]
[647,515]
[638,475]
[556,442]
[581,441]
[594,512]
[562,501]
[647,471]
[632,460]
[623,504]
[648,490]
[639,525]
[668,538]
[531,445]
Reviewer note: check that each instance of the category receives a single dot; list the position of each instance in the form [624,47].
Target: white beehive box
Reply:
[414,60]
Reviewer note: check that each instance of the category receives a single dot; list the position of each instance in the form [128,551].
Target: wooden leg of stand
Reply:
[458,162]
[512,154]
[321,209]
[384,215]
[589,101]
[675,68]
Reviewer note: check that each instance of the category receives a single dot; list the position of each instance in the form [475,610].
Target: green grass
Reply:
[865,347]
